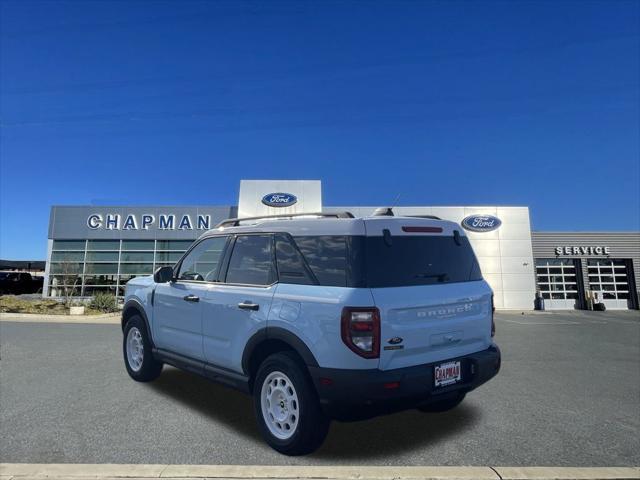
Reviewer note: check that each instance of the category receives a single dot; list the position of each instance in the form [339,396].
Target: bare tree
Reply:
[69,273]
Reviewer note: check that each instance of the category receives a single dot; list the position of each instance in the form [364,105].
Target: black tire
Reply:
[443,405]
[150,368]
[312,425]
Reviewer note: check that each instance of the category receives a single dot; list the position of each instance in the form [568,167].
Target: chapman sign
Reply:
[147,221]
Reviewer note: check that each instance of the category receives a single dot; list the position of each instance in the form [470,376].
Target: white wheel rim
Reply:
[135,349]
[280,405]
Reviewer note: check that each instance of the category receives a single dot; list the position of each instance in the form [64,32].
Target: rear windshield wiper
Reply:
[456,237]
[386,234]
[441,277]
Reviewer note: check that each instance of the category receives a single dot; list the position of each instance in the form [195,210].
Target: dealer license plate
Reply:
[447,374]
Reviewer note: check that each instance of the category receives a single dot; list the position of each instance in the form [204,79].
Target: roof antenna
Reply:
[395,202]
[386,211]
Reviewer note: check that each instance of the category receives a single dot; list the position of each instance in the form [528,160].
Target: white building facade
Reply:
[102,247]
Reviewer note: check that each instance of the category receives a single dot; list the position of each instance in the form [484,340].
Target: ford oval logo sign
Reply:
[481,223]
[279,199]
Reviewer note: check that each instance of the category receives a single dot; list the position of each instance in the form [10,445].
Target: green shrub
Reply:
[103,302]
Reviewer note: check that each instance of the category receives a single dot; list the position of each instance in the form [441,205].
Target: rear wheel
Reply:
[443,405]
[287,406]
[136,347]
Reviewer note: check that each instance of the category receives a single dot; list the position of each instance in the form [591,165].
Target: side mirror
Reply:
[163,275]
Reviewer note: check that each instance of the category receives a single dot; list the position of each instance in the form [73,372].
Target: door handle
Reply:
[191,298]
[247,305]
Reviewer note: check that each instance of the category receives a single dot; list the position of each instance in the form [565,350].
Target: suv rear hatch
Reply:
[426,283]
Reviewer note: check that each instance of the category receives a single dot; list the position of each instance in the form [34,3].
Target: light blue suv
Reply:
[320,317]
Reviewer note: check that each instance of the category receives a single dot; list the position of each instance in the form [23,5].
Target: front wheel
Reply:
[136,347]
[287,406]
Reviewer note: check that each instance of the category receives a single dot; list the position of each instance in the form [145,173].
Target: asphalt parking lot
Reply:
[568,394]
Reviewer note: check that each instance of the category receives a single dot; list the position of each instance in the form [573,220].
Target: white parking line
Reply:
[539,323]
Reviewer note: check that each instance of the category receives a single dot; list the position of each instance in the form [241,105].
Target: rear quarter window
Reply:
[326,256]
[291,264]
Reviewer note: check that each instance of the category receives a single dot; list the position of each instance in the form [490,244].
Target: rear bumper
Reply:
[357,394]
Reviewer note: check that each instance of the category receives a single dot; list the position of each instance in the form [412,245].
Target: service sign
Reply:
[481,223]
[584,250]
[279,199]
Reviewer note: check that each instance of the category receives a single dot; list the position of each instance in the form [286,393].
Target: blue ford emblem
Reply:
[279,199]
[481,223]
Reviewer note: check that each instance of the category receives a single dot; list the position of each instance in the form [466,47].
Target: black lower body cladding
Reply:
[359,394]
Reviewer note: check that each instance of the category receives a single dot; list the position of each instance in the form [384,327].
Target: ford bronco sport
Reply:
[320,317]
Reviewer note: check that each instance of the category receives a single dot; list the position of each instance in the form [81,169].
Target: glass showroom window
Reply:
[102,256]
[103,245]
[136,258]
[107,265]
[66,267]
[168,252]
[101,268]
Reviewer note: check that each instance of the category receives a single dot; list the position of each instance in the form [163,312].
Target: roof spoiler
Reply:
[235,222]
[388,212]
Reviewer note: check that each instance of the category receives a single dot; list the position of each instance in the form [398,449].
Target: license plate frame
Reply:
[447,373]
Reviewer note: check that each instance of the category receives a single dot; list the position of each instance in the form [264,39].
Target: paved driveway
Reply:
[568,394]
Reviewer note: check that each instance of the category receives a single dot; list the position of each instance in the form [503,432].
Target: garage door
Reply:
[610,279]
[557,282]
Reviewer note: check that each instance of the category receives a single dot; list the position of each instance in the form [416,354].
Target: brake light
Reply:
[360,328]
[422,229]
[493,322]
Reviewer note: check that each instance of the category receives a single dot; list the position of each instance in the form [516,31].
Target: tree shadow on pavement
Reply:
[378,437]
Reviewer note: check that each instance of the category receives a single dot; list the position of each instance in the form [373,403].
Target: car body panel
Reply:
[226,328]
[312,313]
[434,322]
[177,323]
[140,290]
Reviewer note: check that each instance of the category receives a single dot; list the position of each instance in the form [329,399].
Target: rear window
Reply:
[419,260]
[358,261]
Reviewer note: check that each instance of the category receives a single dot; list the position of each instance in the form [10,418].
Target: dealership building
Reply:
[99,248]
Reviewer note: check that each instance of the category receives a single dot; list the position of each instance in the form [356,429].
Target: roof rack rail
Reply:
[432,217]
[235,222]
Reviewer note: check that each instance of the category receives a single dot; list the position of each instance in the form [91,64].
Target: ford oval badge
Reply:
[481,223]
[279,199]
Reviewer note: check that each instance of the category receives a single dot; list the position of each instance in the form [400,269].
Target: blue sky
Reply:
[442,103]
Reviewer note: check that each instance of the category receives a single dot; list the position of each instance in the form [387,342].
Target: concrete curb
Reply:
[567,473]
[107,318]
[23,471]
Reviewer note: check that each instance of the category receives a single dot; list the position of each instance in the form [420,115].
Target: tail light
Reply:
[493,322]
[360,329]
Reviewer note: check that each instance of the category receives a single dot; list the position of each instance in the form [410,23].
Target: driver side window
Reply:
[201,264]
